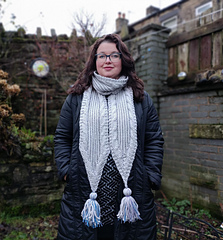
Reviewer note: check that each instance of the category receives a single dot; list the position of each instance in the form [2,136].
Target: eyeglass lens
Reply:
[114,57]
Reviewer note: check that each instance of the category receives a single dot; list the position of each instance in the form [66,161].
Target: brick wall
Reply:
[193,166]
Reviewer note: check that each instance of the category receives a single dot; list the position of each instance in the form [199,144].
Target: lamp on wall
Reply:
[181,76]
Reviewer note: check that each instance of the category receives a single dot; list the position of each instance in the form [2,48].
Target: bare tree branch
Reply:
[86,23]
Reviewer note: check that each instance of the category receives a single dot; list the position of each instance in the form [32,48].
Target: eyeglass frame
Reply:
[108,56]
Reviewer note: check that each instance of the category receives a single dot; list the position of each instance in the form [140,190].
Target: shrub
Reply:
[9,142]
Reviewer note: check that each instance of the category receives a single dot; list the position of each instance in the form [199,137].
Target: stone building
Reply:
[184,15]
[181,66]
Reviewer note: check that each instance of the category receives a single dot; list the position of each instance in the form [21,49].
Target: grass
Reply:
[30,228]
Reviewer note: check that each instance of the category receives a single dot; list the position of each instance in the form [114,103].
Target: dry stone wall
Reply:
[30,182]
[65,57]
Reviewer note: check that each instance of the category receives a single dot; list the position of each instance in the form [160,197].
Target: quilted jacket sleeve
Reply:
[153,144]
[63,138]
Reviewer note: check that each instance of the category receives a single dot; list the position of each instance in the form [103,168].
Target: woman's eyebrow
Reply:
[110,53]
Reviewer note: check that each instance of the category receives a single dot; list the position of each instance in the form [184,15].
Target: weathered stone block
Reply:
[20,174]
[199,169]
[212,131]
[205,180]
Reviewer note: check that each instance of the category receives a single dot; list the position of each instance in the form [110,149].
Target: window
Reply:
[199,10]
[170,22]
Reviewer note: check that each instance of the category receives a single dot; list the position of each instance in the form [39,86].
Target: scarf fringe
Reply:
[91,212]
[128,208]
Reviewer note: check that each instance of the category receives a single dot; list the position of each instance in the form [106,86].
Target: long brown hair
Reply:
[128,68]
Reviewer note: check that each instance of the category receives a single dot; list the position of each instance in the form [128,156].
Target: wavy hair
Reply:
[128,68]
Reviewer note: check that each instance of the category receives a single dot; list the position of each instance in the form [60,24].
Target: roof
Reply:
[158,12]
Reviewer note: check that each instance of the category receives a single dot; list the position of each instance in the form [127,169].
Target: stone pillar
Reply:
[39,33]
[1,28]
[151,58]
[53,33]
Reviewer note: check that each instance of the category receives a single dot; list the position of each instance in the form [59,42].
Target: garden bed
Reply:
[45,227]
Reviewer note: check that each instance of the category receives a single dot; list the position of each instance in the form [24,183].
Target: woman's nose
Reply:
[108,59]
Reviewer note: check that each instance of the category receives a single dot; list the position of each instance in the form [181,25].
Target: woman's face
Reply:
[108,66]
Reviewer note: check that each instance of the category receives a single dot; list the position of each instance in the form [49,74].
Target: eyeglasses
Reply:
[102,57]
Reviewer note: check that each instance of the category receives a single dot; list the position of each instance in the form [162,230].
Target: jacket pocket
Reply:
[147,190]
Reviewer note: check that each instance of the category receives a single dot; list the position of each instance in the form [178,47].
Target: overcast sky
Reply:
[58,14]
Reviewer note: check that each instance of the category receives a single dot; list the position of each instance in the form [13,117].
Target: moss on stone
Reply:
[212,131]
[207,183]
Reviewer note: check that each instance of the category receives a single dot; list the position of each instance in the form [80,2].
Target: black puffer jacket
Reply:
[145,174]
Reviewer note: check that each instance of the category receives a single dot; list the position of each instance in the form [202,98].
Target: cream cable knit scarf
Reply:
[107,126]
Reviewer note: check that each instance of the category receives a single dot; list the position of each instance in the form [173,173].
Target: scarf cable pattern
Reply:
[108,126]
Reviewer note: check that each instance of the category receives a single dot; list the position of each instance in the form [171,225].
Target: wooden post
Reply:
[43,106]
[45,112]
[41,117]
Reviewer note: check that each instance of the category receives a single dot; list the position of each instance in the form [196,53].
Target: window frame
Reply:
[175,17]
[202,6]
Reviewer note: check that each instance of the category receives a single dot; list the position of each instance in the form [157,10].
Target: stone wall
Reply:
[41,98]
[29,181]
[193,162]
[151,58]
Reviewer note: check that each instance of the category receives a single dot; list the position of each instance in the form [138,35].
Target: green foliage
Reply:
[25,134]
[177,206]
[16,235]
[48,139]
[191,220]
[200,213]
[183,207]
[31,222]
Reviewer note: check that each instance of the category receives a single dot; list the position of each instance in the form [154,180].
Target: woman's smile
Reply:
[108,68]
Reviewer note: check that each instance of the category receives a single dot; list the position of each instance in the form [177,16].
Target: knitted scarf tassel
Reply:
[128,208]
[91,212]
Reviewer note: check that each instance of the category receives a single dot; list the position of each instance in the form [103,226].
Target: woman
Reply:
[109,150]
